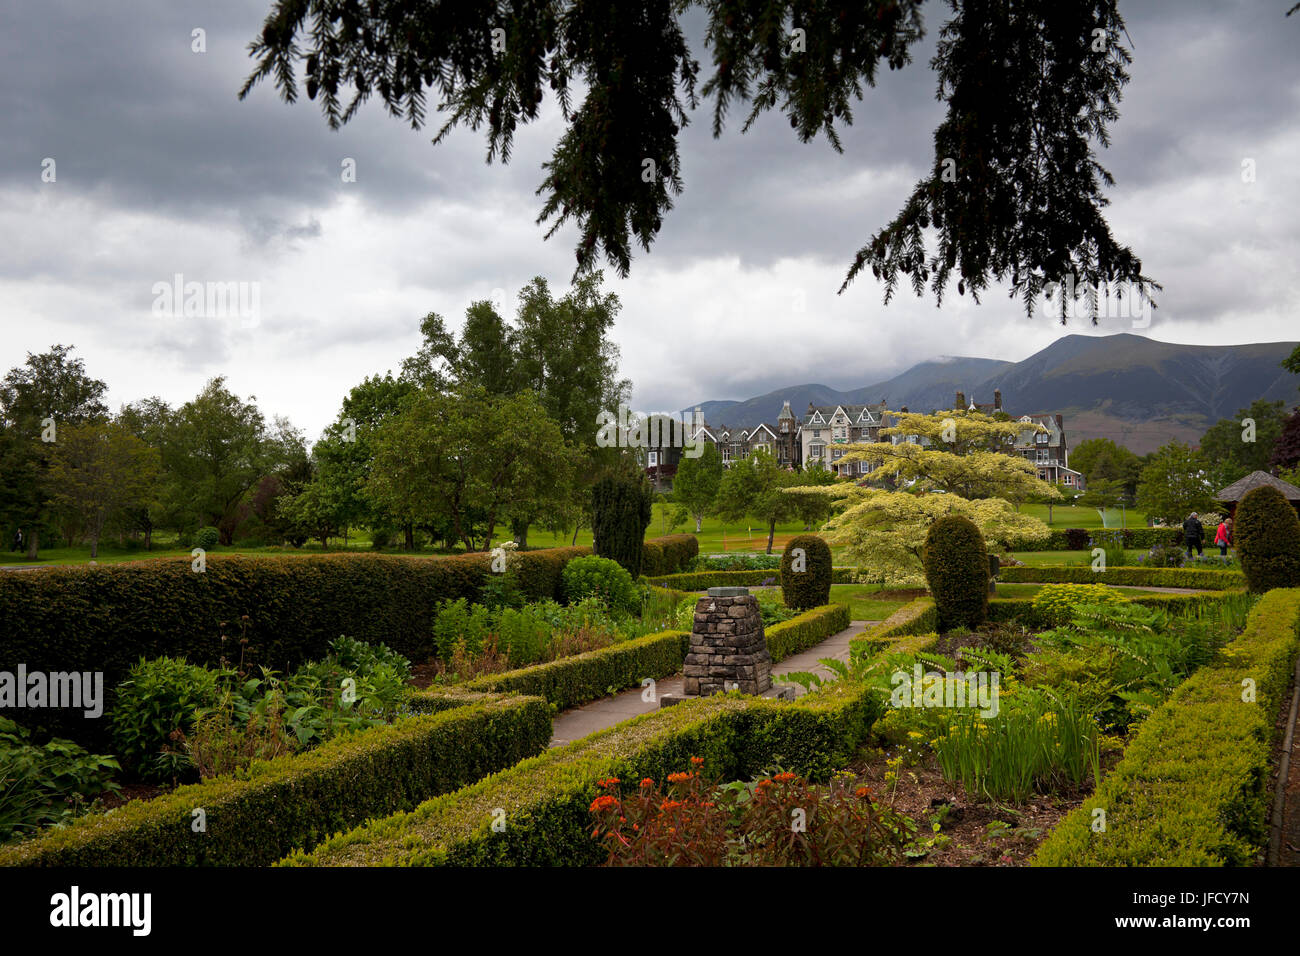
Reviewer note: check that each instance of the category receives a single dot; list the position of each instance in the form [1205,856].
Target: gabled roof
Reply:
[822,414]
[1257,479]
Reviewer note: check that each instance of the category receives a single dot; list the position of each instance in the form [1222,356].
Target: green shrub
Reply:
[669,554]
[47,784]
[957,572]
[106,618]
[702,580]
[582,678]
[1138,577]
[1055,603]
[1192,788]
[739,561]
[604,579]
[207,538]
[153,706]
[621,510]
[806,572]
[277,806]
[1267,533]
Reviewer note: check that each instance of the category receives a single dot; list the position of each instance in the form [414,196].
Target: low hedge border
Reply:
[1022,610]
[543,802]
[917,618]
[1202,578]
[807,630]
[1192,786]
[703,580]
[1078,539]
[582,678]
[106,618]
[294,802]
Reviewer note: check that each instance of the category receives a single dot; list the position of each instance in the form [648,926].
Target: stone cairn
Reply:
[728,649]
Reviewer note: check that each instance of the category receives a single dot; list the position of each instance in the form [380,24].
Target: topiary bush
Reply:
[601,578]
[207,538]
[806,572]
[1267,532]
[621,509]
[957,572]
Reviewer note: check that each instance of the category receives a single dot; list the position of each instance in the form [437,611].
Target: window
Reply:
[816,450]
[653,459]
[841,433]
[817,433]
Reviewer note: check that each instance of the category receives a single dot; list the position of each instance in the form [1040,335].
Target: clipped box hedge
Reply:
[1192,787]
[916,618]
[668,554]
[106,618]
[1200,578]
[543,802]
[807,630]
[581,678]
[1079,539]
[1022,610]
[703,580]
[296,801]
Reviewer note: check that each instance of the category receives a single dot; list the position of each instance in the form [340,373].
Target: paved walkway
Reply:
[578,722]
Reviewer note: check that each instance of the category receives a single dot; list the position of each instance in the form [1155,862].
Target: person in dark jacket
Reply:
[1194,534]
[18,540]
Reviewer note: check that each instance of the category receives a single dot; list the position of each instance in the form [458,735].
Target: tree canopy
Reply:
[1014,192]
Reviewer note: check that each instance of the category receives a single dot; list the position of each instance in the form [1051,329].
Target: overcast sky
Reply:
[160,170]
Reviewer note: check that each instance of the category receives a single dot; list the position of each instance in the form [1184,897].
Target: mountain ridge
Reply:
[1137,391]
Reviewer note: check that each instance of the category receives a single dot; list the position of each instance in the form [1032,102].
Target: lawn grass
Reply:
[862,605]
[715,536]
[1072,516]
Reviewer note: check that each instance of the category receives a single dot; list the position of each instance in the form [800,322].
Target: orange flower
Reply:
[607,782]
[784,777]
[679,777]
[647,783]
[864,792]
[669,805]
[697,761]
[603,803]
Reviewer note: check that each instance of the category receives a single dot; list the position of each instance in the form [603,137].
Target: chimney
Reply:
[997,399]
[961,400]
[1060,423]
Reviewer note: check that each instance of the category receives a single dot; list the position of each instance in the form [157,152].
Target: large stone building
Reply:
[825,431]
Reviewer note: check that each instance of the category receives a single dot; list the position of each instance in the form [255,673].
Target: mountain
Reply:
[922,385]
[1137,391]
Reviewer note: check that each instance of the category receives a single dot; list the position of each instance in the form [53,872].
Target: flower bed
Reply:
[292,802]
